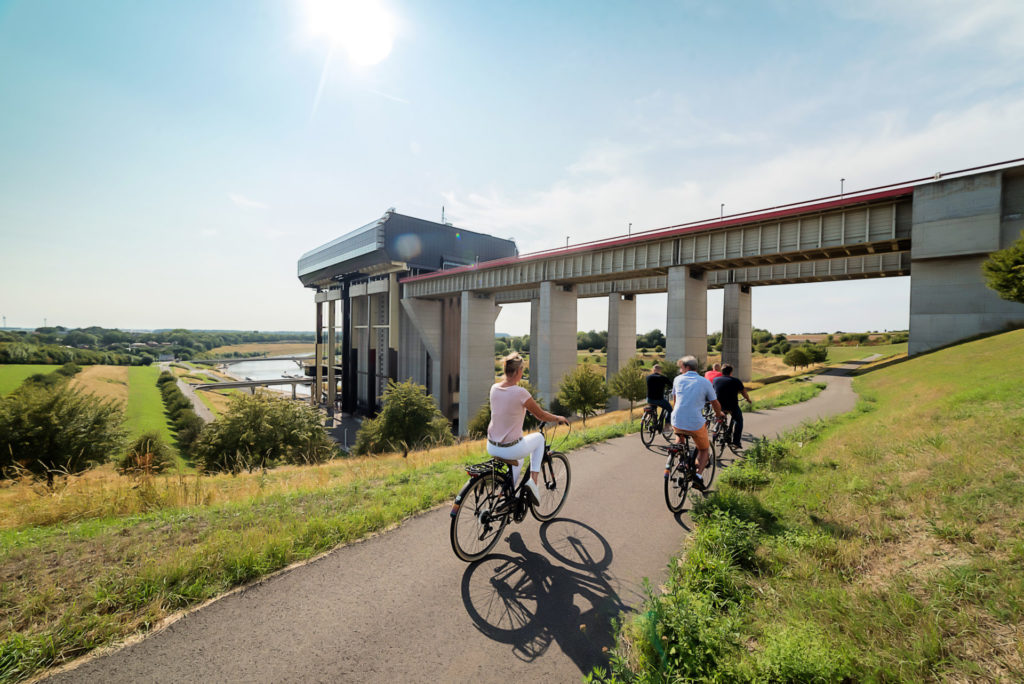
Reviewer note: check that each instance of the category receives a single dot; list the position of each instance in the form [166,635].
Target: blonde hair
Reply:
[512,363]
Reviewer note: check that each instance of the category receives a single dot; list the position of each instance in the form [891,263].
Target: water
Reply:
[269,370]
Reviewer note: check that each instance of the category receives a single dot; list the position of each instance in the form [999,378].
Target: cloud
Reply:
[246,203]
[614,184]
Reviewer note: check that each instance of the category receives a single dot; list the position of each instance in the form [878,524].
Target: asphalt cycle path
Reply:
[400,607]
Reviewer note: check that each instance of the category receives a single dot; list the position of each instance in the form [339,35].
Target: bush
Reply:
[766,453]
[408,419]
[583,392]
[796,357]
[69,369]
[629,383]
[147,455]
[259,431]
[803,654]
[48,431]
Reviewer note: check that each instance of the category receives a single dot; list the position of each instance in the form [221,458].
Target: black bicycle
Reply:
[721,436]
[489,499]
[681,469]
[649,425]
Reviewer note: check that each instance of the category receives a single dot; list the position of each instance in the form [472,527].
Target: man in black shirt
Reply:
[656,386]
[728,390]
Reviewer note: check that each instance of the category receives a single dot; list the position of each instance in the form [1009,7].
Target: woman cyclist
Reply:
[505,439]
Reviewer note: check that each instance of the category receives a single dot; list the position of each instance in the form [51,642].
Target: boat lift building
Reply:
[361,271]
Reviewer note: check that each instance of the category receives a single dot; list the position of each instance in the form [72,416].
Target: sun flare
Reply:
[364,29]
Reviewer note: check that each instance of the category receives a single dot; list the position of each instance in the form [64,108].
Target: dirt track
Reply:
[401,608]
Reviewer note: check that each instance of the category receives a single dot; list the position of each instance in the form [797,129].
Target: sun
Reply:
[364,29]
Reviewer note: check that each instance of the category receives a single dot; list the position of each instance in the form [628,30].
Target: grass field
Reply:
[270,349]
[105,556]
[785,393]
[12,375]
[886,545]
[144,410]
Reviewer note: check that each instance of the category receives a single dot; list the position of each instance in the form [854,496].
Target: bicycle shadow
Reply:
[530,602]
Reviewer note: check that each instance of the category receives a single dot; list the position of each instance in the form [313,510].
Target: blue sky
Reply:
[164,164]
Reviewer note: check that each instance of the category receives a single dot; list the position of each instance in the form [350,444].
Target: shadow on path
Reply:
[532,599]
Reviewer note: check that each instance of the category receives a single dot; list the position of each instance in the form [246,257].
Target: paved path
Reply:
[401,608]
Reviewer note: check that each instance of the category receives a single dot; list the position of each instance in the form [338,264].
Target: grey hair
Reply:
[688,361]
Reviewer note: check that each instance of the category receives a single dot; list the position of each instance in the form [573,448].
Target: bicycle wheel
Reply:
[555,477]
[475,527]
[708,474]
[677,482]
[647,430]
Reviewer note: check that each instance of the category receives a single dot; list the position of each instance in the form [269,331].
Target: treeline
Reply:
[111,346]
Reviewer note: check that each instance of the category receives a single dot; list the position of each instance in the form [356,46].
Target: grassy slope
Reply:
[889,546]
[145,409]
[12,375]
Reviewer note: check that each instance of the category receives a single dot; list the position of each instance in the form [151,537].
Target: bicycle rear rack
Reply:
[486,468]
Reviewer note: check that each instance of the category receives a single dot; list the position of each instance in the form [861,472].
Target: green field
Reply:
[884,545]
[841,354]
[12,375]
[145,408]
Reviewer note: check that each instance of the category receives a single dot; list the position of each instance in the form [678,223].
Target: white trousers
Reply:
[531,445]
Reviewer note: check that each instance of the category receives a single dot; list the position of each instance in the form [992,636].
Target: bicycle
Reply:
[649,425]
[721,436]
[489,499]
[680,469]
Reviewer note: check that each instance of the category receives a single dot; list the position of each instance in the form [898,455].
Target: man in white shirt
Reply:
[691,391]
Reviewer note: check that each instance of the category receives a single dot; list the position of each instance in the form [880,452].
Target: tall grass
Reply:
[104,556]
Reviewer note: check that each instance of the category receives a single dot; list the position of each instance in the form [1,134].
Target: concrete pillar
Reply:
[294,394]
[394,326]
[621,338]
[956,225]
[534,326]
[314,395]
[736,330]
[476,357]
[555,346]
[686,330]
[332,384]
[425,315]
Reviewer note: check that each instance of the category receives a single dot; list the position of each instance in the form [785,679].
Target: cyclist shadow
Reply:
[529,601]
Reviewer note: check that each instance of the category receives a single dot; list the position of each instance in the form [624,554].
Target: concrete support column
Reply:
[394,326]
[332,338]
[314,395]
[957,223]
[425,315]
[686,331]
[476,358]
[534,326]
[736,330]
[554,350]
[621,338]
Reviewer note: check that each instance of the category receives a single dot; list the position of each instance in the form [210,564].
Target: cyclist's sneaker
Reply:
[531,487]
[698,483]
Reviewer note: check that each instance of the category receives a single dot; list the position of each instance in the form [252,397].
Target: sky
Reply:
[165,164]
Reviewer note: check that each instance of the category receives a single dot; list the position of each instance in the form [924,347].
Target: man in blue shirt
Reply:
[691,391]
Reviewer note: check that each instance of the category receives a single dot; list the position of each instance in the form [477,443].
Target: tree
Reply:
[583,392]
[259,431]
[48,431]
[629,384]
[796,357]
[1004,271]
[816,353]
[408,418]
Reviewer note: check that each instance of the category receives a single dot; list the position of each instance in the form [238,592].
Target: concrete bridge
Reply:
[234,359]
[436,325]
[251,385]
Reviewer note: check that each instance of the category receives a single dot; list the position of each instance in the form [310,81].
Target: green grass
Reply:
[887,542]
[145,409]
[842,354]
[785,393]
[12,375]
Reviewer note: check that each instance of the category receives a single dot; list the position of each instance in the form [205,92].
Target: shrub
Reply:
[409,418]
[629,383]
[803,654]
[146,455]
[48,431]
[796,357]
[583,392]
[69,369]
[766,453]
[259,431]
[746,475]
